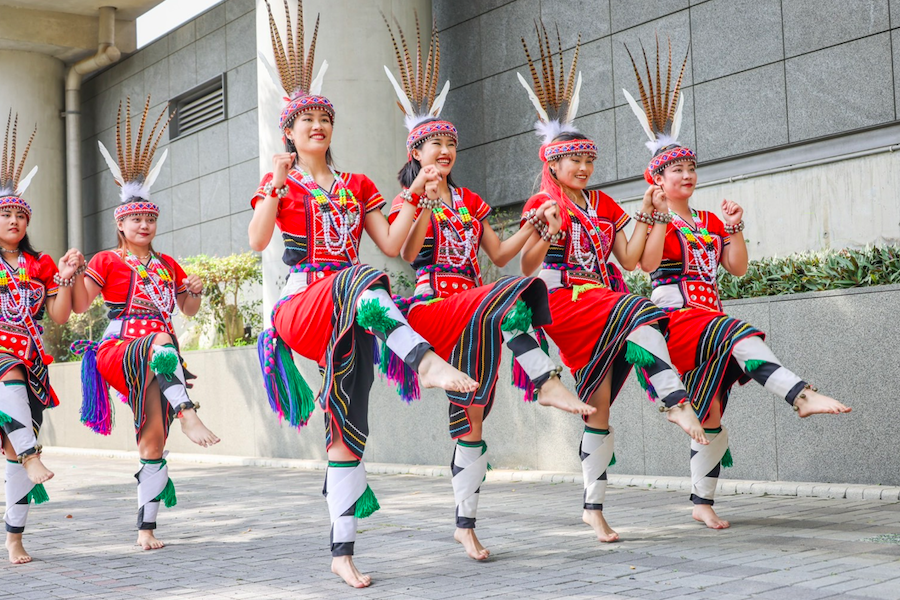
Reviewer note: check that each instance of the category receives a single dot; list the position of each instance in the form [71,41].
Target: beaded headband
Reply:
[132,171]
[661,115]
[12,187]
[583,147]
[417,90]
[555,97]
[429,130]
[294,67]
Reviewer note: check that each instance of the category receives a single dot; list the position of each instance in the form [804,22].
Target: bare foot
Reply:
[36,470]
[17,553]
[434,372]
[705,514]
[685,417]
[343,567]
[470,542]
[604,532]
[810,402]
[554,393]
[196,431]
[148,541]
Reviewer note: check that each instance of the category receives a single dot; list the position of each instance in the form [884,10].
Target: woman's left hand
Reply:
[69,263]
[193,284]
[732,211]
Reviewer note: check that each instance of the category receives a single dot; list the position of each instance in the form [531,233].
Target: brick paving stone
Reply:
[262,532]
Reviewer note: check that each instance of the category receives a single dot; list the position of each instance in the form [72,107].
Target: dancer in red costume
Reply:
[466,321]
[332,304]
[601,333]
[31,285]
[711,350]
[138,355]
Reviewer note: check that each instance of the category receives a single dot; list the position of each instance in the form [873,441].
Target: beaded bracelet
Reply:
[661,217]
[80,270]
[731,229]
[643,217]
[407,195]
[552,238]
[58,280]
[426,203]
[280,192]
[193,295]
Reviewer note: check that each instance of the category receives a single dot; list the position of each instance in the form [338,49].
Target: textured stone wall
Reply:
[760,74]
[205,186]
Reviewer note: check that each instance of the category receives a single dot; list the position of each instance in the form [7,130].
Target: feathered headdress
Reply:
[295,68]
[416,96]
[11,186]
[661,115]
[132,171]
[555,97]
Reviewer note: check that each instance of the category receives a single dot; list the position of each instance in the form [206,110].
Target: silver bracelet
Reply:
[59,281]
[643,217]
[661,217]
[426,203]
[732,229]
[280,192]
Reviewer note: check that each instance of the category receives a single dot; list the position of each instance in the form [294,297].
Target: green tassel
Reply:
[167,496]
[580,289]
[373,316]
[490,468]
[642,379]
[38,495]
[385,361]
[297,386]
[367,504]
[638,356]
[613,460]
[752,365]
[727,461]
[545,345]
[518,319]
[5,418]
[164,361]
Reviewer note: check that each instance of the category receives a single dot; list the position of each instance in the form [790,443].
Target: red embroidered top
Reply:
[299,215]
[14,337]
[695,290]
[453,268]
[595,232]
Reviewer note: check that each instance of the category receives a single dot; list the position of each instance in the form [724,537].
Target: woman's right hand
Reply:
[426,174]
[281,164]
[658,199]
[554,222]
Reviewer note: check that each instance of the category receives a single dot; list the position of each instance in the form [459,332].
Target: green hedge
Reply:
[804,272]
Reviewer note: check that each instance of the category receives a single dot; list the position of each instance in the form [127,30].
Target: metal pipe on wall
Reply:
[107,54]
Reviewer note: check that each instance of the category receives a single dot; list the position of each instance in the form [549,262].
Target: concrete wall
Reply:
[761,75]
[834,339]
[34,89]
[206,183]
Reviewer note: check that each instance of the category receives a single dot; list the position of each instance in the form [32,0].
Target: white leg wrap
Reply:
[14,402]
[596,453]
[533,360]
[344,486]
[152,480]
[402,340]
[705,466]
[17,487]
[664,380]
[469,468]
[175,391]
[780,381]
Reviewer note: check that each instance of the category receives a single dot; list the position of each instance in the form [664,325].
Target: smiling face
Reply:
[439,151]
[311,132]
[13,224]
[678,181]
[573,172]
[139,230]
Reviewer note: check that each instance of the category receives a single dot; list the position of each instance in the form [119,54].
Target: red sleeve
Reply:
[369,196]
[260,193]
[614,212]
[715,225]
[98,268]
[180,275]
[47,269]
[396,205]
[478,208]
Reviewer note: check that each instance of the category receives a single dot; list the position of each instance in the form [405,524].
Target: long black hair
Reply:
[410,170]
[26,247]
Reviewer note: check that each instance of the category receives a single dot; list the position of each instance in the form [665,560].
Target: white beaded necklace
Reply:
[458,252]
[334,218]
[587,260]
[15,311]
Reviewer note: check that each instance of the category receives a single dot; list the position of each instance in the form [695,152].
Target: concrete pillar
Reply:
[369,135]
[33,87]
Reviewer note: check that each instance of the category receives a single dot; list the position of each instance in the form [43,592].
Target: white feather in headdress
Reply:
[132,171]
[661,115]
[418,83]
[554,96]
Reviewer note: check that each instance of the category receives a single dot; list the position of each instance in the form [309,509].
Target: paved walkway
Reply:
[258,532]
